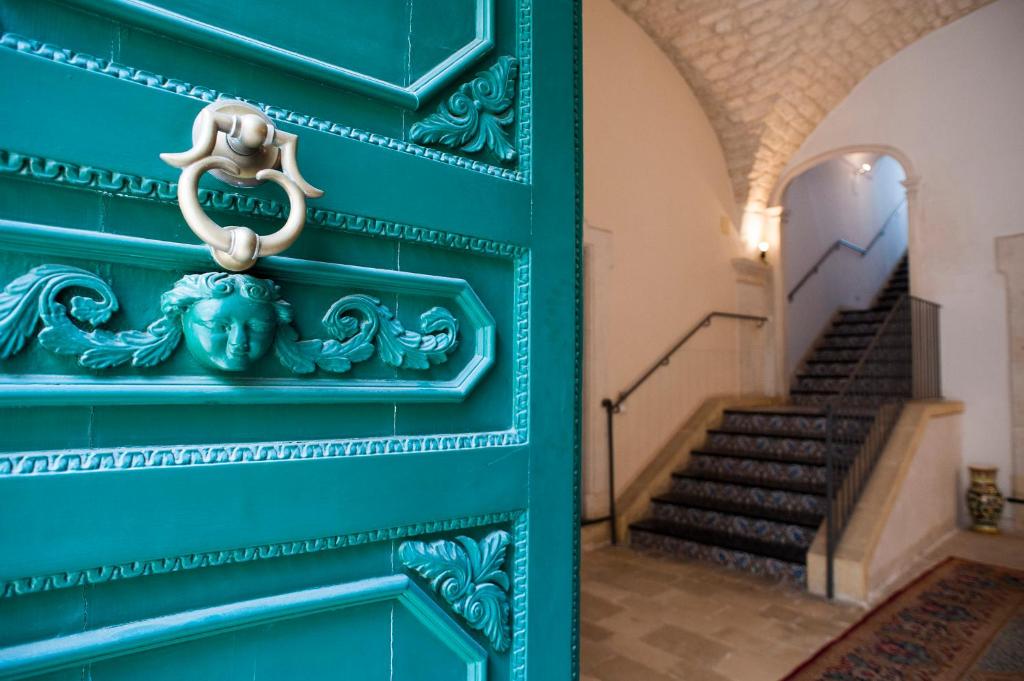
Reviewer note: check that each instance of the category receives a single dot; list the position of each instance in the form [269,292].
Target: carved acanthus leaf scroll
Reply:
[470,576]
[355,340]
[32,298]
[476,115]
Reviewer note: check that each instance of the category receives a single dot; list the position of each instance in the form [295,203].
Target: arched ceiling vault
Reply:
[768,71]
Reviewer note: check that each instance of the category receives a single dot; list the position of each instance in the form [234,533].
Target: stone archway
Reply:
[769,222]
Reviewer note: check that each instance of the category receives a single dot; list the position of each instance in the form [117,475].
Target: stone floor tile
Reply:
[631,623]
[744,666]
[623,669]
[644,653]
[593,632]
[595,608]
[607,589]
[687,645]
[592,654]
[642,586]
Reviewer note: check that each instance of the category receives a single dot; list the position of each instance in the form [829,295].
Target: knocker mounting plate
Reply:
[249,160]
[238,144]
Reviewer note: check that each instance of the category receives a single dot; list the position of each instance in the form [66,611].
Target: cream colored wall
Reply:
[925,508]
[659,238]
[951,103]
[908,505]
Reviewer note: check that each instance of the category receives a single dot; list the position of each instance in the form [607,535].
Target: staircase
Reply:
[753,496]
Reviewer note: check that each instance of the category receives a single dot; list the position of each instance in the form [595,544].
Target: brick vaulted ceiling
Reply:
[768,71]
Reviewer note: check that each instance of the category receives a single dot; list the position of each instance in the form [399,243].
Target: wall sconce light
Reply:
[763,247]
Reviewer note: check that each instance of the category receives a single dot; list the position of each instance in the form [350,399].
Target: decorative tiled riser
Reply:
[884,369]
[737,560]
[863,316]
[865,401]
[736,524]
[853,355]
[868,384]
[862,342]
[752,496]
[750,469]
[811,451]
[791,423]
[859,327]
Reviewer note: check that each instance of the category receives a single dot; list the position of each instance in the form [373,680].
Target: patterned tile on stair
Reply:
[790,448]
[862,316]
[865,384]
[856,326]
[737,505]
[735,524]
[861,342]
[854,354]
[812,398]
[784,421]
[814,367]
[795,573]
[752,471]
[782,503]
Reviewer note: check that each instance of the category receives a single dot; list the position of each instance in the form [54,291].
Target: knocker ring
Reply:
[237,248]
[239,144]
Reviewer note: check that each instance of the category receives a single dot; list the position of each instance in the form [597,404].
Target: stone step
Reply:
[861,384]
[832,369]
[767,446]
[737,500]
[855,326]
[787,504]
[747,556]
[791,422]
[878,354]
[742,526]
[861,316]
[803,457]
[804,482]
[813,398]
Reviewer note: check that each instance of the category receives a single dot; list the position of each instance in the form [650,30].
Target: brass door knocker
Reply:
[240,145]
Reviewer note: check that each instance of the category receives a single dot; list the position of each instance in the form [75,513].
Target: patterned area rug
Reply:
[960,620]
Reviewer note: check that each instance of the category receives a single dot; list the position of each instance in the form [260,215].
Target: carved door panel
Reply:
[351,459]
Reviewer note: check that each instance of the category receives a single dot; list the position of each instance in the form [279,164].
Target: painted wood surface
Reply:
[355,459]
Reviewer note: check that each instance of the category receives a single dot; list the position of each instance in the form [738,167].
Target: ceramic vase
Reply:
[984,501]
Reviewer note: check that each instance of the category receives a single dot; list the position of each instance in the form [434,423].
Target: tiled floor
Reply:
[647,618]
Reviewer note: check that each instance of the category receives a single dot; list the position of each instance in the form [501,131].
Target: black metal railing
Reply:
[901,362]
[613,407]
[862,251]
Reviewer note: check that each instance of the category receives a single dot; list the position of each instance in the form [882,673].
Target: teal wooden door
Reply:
[350,459]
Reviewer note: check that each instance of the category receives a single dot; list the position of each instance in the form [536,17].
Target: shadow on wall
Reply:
[857,198]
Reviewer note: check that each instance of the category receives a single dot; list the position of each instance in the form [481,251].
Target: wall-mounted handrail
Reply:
[862,251]
[613,407]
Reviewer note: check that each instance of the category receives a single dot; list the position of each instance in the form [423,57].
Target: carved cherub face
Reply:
[229,320]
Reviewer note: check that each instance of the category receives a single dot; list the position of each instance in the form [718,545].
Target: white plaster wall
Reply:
[659,212]
[829,202]
[952,103]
